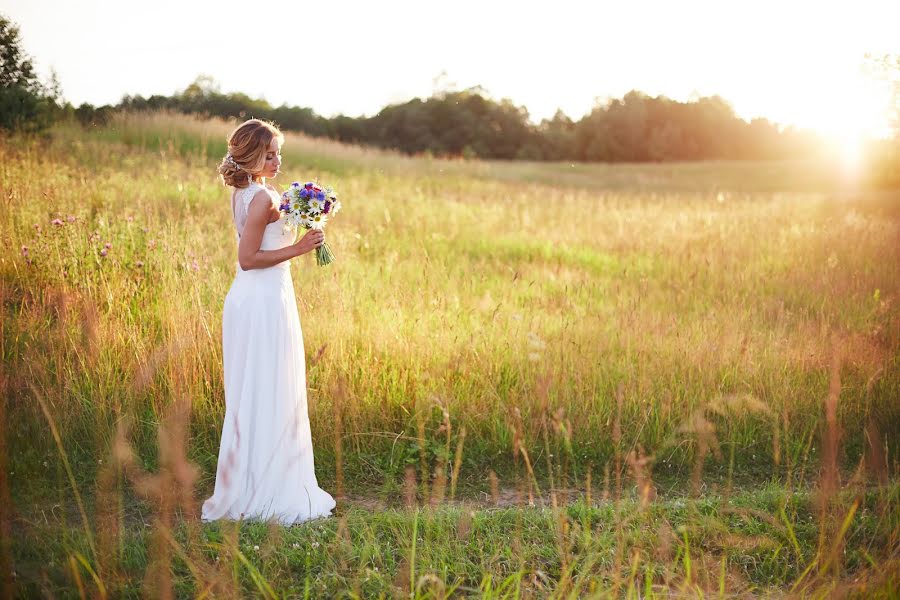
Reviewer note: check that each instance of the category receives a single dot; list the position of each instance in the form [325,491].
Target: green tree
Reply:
[25,103]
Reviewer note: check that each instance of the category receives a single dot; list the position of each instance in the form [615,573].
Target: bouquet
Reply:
[311,205]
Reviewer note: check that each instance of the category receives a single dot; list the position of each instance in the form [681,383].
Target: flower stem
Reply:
[324,255]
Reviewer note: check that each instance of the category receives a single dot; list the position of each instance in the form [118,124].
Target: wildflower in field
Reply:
[56,222]
[139,264]
[104,252]
[25,251]
[107,245]
[70,218]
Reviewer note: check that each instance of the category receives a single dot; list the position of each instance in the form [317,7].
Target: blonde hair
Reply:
[247,146]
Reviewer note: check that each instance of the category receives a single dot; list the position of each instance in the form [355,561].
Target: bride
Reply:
[265,466]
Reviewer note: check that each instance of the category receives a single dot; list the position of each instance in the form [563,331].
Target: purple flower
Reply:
[56,222]
[309,185]
[71,218]
[107,245]
[327,207]
[285,207]
[295,185]
[104,252]
[304,193]
[25,251]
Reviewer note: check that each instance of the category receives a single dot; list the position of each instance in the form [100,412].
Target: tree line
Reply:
[467,123]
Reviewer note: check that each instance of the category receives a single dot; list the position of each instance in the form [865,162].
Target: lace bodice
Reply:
[274,236]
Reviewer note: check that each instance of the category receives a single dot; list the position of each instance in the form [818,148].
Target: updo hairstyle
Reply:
[247,147]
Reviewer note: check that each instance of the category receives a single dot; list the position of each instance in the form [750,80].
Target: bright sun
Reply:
[848,114]
[834,97]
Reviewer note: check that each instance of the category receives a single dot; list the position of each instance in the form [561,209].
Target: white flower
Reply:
[304,219]
[315,205]
[335,207]
[296,205]
[318,221]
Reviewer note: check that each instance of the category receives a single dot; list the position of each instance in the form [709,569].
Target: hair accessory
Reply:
[230,159]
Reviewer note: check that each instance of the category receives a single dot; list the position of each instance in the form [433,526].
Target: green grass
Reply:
[692,312]
[742,544]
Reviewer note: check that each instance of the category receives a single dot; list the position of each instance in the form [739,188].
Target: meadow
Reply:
[526,379]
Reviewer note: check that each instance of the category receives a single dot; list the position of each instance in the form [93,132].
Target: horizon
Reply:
[818,70]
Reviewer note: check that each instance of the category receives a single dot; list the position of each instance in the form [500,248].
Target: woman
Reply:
[265,467]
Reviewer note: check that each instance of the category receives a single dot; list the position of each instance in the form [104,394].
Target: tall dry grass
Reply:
[480,332]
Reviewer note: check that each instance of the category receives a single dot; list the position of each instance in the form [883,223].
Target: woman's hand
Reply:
[309,242]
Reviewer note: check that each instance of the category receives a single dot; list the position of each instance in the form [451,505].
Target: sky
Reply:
[793,62]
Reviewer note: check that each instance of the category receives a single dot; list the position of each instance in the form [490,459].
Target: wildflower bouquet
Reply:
[311,205]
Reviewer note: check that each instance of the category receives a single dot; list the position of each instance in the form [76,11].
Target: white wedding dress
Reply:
[265,468]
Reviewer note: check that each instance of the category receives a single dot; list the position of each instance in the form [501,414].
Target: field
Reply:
[526,380]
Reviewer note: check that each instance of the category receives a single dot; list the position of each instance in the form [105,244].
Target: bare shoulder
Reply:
[261,202]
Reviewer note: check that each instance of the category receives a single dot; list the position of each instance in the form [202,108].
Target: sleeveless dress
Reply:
[265,466]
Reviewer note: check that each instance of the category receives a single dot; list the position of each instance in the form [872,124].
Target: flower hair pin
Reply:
[230,160]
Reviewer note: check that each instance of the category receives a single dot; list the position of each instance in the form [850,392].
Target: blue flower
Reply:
[304,193]
[295,185]
[320,196]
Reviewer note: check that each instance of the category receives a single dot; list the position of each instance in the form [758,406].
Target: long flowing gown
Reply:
[265,466]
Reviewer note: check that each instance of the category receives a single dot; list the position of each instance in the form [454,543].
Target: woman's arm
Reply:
[249,254]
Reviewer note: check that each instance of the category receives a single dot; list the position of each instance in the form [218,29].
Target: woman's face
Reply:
[273,159]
